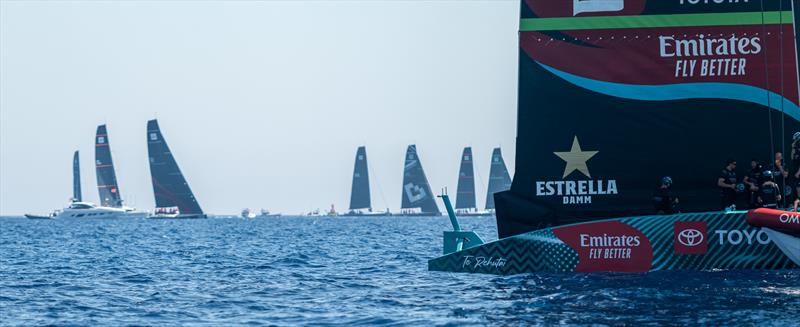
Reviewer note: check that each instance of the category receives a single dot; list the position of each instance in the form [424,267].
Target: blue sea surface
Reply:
[336,271]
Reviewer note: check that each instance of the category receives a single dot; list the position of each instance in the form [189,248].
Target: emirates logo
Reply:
[690,237]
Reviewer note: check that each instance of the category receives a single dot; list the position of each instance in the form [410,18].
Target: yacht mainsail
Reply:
[76,177]
[465,190]
[615,95]
[499,180]
[417,195]
[172,192]
[359,193]
[104,169]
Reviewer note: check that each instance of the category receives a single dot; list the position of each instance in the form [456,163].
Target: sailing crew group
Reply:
[763,187]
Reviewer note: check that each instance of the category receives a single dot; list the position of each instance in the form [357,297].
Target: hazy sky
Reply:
[263,103]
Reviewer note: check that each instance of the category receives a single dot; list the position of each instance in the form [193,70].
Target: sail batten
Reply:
[615,95]
[171,191]
[416,191]
[104,168]
[359,193]
[465,190]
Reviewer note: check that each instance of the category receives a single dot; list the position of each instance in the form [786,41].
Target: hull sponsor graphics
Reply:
[779,220]
[741,237]
[608,246]
[691,237]
[731,244]
[576,192]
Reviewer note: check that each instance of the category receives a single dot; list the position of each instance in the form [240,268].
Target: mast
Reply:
[416,190]
[499,180]
[465,191]
[359,193]
[104,169]
[614,95]
[170,188]
[76,178]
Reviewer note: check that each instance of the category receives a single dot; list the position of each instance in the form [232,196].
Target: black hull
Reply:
[179,217]
[36,217]
[421,214]
[365,215]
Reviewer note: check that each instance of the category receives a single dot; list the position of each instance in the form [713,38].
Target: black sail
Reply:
[76,177]
[416,190]
[499,180]
[615,95]
[465,191]
[169,187]
[104,169]
[359,194]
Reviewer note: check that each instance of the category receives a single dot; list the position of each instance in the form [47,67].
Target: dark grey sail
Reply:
[76,178]
[172,193]
[416,190]
[499,180]
[465,193]
[106,178]
[359,194]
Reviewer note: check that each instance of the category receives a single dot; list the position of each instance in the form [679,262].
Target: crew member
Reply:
[664,201]
[727,185]
[779,172]
[769,194]
[795,159]
[753,181]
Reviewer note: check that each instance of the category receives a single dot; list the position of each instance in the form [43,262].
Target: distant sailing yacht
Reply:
[106,177]
[465,193]
[499,180]
[79,209]
[174,198]
[417,199]
[360,201]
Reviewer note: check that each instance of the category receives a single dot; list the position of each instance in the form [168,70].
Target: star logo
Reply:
[576,159]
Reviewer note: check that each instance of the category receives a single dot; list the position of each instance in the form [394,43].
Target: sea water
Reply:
[336,271]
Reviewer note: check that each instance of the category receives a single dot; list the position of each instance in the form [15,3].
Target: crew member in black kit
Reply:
[753,182]
[727,185]
[664,200]
[795,166]
[769,194]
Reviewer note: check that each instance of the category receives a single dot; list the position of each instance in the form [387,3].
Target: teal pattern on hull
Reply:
[633,244]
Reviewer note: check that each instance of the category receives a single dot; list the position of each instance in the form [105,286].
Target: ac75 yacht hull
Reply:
[695,241]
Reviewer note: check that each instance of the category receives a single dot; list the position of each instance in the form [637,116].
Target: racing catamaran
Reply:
[616,95]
